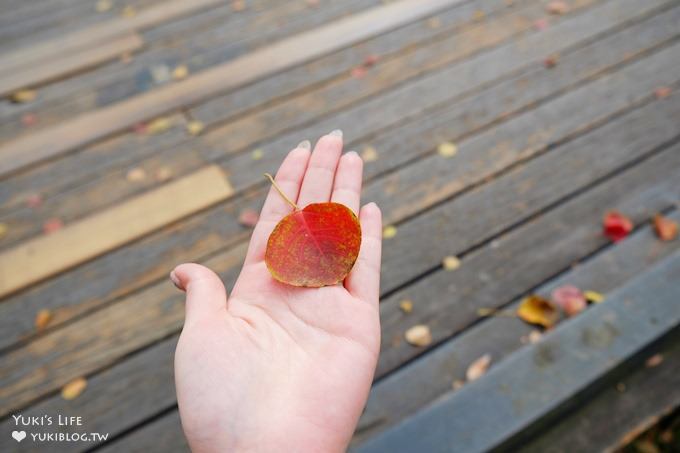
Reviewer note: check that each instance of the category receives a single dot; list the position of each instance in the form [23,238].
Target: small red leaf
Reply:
[665,228]
[570,299]
[316,246]
[616,226]
[52,225]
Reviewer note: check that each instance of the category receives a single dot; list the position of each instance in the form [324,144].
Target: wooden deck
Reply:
[114,110]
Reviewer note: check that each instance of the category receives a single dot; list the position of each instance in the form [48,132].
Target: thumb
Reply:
[206,295]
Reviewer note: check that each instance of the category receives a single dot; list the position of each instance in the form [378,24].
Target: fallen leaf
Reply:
[478,368]
[3,229]
[139,128]
[248,217]
[129,12]
[557,7]
[23,96]
[541,24]
[570,299]
[74,388]
[389,232]
[535,336]
[256,154]
[537,310]
[158,125]
[616,226]
[434,22]
[34,200]
[42,318]
[358,72]
[238,5]
[136,174]
[447,149]
[406,306]
[314,246]
[195,127]
[551,61]
[29,119]
[104,5]
[369,154]
[457,384]
[662,92]
[163,173]
[371,60]
[180,72]
[451,263]
[593,296]
[654,360]
[52,225]
[419,335]
[665,228]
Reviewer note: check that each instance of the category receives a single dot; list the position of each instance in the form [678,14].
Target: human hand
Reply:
[276,367]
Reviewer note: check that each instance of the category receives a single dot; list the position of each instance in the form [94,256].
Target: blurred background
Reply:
[525,154]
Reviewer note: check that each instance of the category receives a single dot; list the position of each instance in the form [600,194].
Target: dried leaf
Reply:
[369,154]
[29,119]
[104,5]
[42,318]
[541,24]
[3,229]
[256,154]
[593,296]
[616,226]
[158,125]
[238,5]
[180,72]
[557,7]
[478,368]
[389,232]
[551,61]
[23,96]
[665,228]
[34,200]
[136,174]
[662,92]
[74,388]
[371,60]
[451,263]
[195,127]
[315,246]
[163,173]
[419,335]
[359,72]
[535,336]
[129,12]
[457,384]
[52,225]
[570,299]
[248,217]
[447,149]
[654,360]
[434,22]
[537,310]
[406,306]
[312,3]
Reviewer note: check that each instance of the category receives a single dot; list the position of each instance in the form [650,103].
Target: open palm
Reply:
[276,367]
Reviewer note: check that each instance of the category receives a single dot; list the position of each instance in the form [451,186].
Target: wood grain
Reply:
[45,256]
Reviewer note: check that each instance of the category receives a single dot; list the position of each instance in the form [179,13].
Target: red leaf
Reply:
[52,225]
[316,246]
[665,228]
[616,226]
[570,299]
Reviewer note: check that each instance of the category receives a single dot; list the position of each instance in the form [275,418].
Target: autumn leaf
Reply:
[369,154]
[371,60]
[136,174]
[450,263]
[180,72]
[52,225]
[406,306]
[654,361]
[557,7]
[447,149]
[163,174]
[23,96]
[616,226]
[29,119]
[158,125]
[662,92]
[74,388]
[34,200]
[570,299]
[248,217]
[665,228]
[195,127]
[419,335]
[42,318]
[478,368]
[315,246]
[389,232]
[551,61]
[3,229]
[593,296]
[537,310]
[541,24]
[359,72]
[256,154]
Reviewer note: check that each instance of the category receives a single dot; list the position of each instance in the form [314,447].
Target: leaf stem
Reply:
[278,189]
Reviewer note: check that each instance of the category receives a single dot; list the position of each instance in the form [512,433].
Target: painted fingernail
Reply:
[336,133]
[305,144]
[175,281]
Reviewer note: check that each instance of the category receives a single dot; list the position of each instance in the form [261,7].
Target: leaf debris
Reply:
[593,296]
[478,368]
[369,154]
[389,232]
[136,174]
[654,360]
[42,318]
[195,127]
[406,306]
[23,96]
[447,149]
[52,225]
[74,388]
[419,335]
[537,310]
[451,263]
[665,228]
[557,7]
[570,299]
[616,226]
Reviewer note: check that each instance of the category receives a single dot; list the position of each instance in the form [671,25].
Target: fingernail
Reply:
[336,133]
[305,144]
[353,153]
[175,281]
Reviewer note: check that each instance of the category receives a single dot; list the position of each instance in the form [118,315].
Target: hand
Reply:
[275,367]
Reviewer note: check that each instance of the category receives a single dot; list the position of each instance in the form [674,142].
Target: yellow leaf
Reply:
[3,229]
[478,368]
[389,232]
[406,306]
[536,310]
[418,335]
[180,72]
[74,388]
[593,296]
[23,96]
[158,125]
[257,154]
[447,149]
[451,263]
[42,318]
[136,174]
[369,154]
[195,127]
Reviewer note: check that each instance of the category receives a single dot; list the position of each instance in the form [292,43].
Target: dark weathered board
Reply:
[164,435]
[434,373]
[535,383]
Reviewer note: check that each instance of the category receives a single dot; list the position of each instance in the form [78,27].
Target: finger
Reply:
[206,296]
[318,182]
[364,280]
[289,178]
[347,187]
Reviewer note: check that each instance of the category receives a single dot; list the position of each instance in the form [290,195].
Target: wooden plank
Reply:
[56,66]
[538,381]
[45,256]
[198,237]
[164,434]
[435,372]
[87,128]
